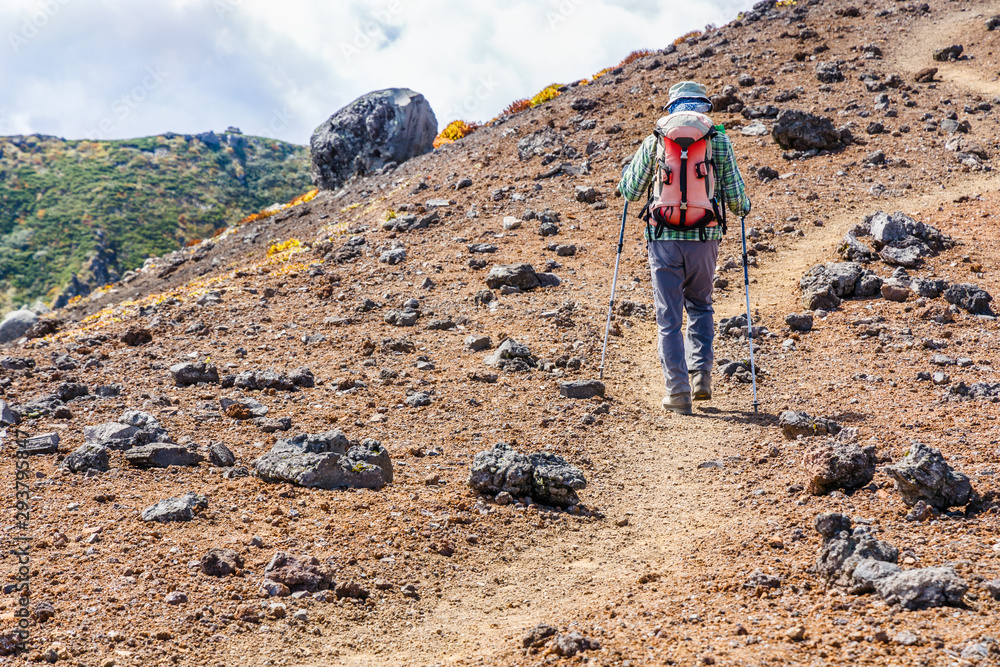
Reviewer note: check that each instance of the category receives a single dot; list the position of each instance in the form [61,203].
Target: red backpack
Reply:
[683,196]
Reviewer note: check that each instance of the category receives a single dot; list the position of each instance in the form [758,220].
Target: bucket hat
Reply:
[688,90]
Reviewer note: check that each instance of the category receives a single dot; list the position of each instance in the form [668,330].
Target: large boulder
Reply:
[825,285]
[839,465]
[793,424]
[16,324]
[923,588]
[183,508]
[801,131]
[923,474]
[521,276]
[845,549]
[326,461]
[544,477]
[382,127]
[972,298]
[512,356]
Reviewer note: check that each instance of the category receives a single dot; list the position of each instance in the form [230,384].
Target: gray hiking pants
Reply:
[682,274]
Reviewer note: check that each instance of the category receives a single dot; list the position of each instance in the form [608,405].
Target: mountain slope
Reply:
[657,563]
[66,203]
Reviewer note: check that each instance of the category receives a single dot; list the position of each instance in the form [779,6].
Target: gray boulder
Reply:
[521,276]
[868,571]
[544,477]
[221,562]
[112,435]
[8,415]
[801,131]
[16,324]
[909,257]
[325,461]
[87,457]
[512,356]
[259,380]
[970,297]
[188,373]
[176,509]
[161,455]
[825,285]
[581,389]
[377,129]
[221,456]
[793,424]
[799,321]
[418,400]
[844,549]
[923,474]
[853,250]
[900,231]
[923,588]
[837,465]
[929,288]
[828,72]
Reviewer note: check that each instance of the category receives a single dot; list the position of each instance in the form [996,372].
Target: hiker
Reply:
[685,220]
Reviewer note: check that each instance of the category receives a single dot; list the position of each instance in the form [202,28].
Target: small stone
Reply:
[176,597]
[581,389]
[221,456]
[478,343]
[799,321]
[221,562]
[176,509]
[796,633]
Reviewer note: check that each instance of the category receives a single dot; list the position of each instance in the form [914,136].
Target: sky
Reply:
[117,69]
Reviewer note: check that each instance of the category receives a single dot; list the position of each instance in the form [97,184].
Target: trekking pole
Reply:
[746,284]
[614,283]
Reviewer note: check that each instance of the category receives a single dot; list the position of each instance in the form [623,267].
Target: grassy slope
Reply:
[149,195]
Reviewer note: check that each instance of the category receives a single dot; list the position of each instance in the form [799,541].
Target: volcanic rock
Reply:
[382,127]
[326,461]
[221,562]
[801,131]
[176,509]
[544,477]
[837,465]
[793,424]
[923,474]
[304,573]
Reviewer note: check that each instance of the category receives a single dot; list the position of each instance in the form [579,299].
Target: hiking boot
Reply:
[701,385]
[678,403]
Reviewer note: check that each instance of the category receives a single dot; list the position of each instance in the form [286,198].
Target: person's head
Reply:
[689,96]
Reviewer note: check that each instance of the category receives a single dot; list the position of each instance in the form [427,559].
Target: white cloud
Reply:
[281,68]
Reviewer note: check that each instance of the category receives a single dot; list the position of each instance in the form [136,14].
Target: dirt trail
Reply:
[650,481]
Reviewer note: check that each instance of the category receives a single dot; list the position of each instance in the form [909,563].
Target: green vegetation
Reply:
[149,196]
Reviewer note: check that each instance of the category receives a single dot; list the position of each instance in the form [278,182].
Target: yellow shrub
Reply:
[456,130]
[546,94]
[290,246]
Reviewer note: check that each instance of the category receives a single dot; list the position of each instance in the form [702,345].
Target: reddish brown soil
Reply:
[654,567]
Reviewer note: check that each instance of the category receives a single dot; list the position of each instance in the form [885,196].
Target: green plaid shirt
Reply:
[639,175]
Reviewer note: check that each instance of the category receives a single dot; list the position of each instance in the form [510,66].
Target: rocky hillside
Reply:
[97,209]
[367,431]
